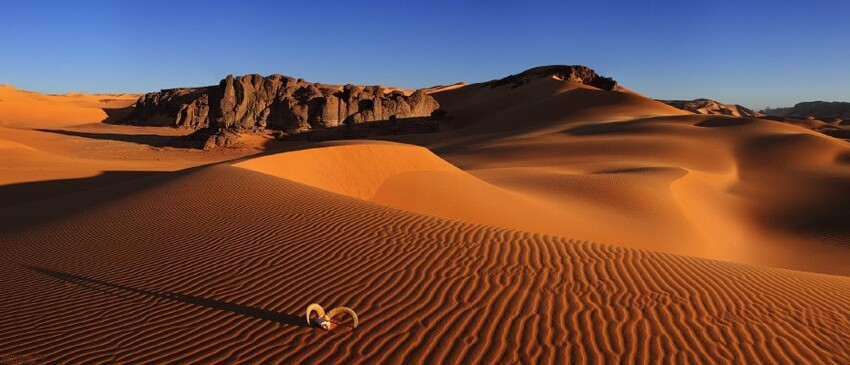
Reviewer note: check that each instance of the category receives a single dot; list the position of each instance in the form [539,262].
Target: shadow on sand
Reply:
[69,200]
[14,194]
[370,129]
[102,286]
[115,115]
[153,140]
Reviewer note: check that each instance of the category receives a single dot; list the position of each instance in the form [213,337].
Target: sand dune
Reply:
[410,178]
[473,245]
[709,186]
[19,107]
[426,288]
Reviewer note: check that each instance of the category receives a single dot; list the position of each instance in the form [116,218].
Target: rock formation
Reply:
[254,103]
[183,107]
[577,73]
[707,106]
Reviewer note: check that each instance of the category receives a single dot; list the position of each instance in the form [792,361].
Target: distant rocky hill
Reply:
[255,103]
[816,109]
[707,106]
[574,73]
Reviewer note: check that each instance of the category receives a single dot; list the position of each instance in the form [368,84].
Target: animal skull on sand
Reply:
[326,317]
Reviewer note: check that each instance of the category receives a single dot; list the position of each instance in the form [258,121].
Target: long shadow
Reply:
[232,307]
[153,140]
[14,194]
[371,129]
[606,128]
[721,122]
[115,115]
[42,211]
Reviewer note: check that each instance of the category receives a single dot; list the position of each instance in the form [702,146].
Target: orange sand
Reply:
[473,249]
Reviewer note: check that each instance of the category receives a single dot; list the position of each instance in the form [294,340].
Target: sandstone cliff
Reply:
[183,107]
[254,102]
[820,109]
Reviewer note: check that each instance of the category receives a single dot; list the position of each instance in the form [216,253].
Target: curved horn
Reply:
[317,308]
[346,310]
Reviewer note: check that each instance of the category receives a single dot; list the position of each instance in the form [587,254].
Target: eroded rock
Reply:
[574,73]
[183,107]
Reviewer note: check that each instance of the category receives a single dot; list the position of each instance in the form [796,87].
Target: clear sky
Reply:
[756,53]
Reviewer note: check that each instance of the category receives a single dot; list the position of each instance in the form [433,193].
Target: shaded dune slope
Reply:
[160,271]
[481,112]
[739,189]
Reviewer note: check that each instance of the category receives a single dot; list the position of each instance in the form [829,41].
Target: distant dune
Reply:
[818,116]
[19,107]
[706,106]
[551,219]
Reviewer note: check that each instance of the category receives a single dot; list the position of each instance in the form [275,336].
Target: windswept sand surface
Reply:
[157,272]
[476,248]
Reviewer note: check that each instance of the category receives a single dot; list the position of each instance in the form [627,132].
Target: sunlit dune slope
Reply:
[410,178]
[19,107]
[21,163]
[216,264]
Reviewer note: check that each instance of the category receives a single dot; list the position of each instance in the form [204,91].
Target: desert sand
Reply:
[547,223]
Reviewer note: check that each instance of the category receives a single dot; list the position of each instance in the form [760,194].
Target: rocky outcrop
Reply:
[576,73]
[184,107]
[819,109]
[707,106]
[254,102]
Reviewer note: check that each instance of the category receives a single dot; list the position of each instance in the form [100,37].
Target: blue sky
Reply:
[757,53]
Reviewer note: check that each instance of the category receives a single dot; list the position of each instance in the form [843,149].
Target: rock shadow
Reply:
[153,140]
[116,115]
[370,129]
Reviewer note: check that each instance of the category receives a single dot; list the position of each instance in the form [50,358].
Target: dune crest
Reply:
[410,178]
[354,169]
